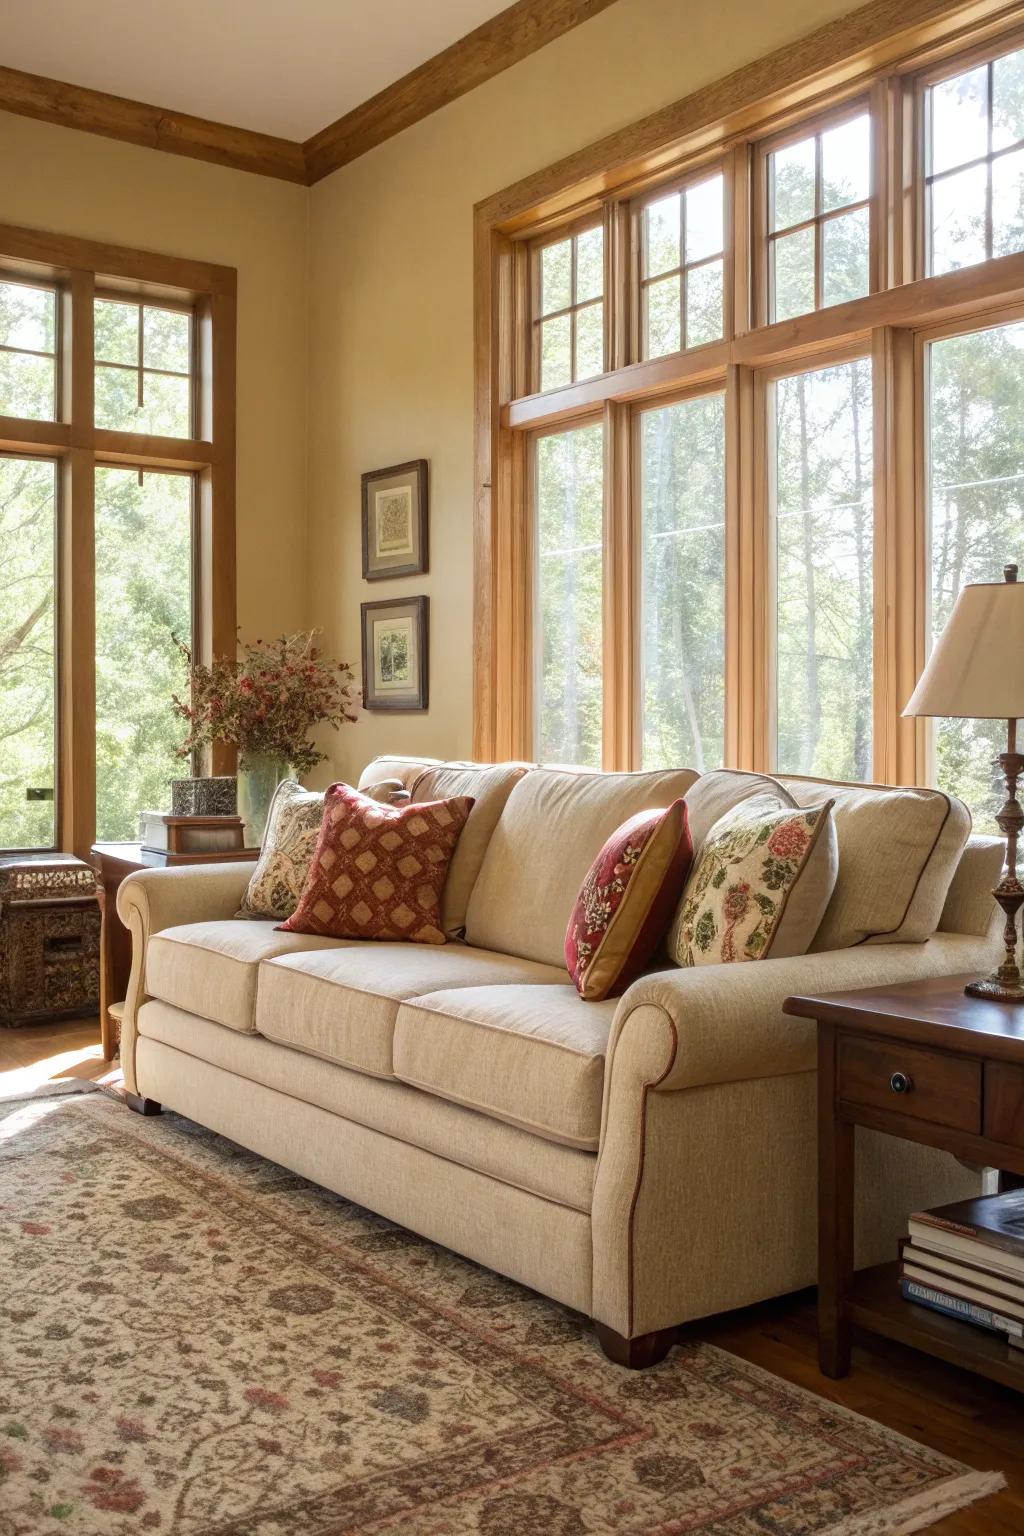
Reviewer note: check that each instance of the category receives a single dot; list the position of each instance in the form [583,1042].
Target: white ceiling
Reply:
[287,67]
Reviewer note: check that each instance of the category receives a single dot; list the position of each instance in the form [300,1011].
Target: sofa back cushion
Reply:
[554,824]
[488,785]
[721,790]
[408,769]
[898,852]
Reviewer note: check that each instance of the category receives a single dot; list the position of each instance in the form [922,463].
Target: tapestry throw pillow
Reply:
[293,825]
[760,885]
[626,901]
[379,871]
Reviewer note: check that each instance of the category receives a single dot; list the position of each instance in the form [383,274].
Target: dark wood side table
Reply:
[926,1063]
[114,862]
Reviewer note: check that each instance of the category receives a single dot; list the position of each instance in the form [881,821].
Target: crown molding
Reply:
[513,34]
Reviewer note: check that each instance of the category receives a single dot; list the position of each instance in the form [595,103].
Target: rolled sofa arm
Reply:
[154,899]
[724,1023]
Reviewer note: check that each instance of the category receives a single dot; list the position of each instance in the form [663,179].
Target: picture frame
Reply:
[396,521]
[396,659]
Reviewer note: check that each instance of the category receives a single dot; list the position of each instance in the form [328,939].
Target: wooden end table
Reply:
[114,862]
[924,1062]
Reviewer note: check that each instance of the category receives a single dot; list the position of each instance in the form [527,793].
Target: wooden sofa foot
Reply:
[141,1105]
[639,1353]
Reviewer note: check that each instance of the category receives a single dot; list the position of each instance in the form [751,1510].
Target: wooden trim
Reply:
[620,636]
[36,252]
[135,122]
[513,34]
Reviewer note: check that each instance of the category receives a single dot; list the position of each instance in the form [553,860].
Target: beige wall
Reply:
[391,305]
[77,184]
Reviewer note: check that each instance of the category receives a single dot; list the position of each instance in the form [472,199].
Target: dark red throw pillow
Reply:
[379,870]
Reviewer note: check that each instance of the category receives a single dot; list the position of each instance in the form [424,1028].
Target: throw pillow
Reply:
[760,885]
[379,870]
[293,825]
[626,901]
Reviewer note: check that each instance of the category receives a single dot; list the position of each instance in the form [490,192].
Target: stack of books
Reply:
[967,1260]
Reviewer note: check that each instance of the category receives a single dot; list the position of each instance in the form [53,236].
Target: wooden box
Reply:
[49,939]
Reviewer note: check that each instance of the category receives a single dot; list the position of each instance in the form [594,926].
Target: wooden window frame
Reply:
[875,55]
[537,319]
[81,271]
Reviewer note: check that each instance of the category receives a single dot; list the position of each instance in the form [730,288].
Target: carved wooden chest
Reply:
[49,939]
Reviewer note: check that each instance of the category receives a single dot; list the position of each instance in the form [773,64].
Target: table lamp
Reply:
[976,672]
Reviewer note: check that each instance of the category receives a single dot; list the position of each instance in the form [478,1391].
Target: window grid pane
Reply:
[28,539]
[682,468]
[682,269]
[28,352]
[568,330]
[819,219]
[976,522]
[974,182]
[822,517]
[569,468]
[144,369]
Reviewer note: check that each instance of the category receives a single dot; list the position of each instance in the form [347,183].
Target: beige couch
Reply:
[647,1160]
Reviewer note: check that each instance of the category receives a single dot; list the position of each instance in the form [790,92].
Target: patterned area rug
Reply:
[194,1341]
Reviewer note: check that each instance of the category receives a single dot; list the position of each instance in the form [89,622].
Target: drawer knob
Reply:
[900,1083]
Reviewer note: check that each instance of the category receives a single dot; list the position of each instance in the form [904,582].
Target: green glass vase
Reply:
[259,774]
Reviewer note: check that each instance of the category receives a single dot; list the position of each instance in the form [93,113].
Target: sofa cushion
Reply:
[488,786]
[719,791]
[289,839]
[407,769]
[898,852]
[343,1005]
[533,1056]
[211,968]
[379,870]
[554,824]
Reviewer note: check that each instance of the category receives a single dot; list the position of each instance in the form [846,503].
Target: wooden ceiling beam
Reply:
[513,34]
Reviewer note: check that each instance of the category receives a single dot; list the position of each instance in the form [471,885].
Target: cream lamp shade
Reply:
[976,669]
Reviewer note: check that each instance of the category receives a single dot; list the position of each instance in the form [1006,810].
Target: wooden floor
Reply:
[958,1413]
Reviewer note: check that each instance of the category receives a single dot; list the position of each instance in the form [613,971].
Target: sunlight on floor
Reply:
[22,1080]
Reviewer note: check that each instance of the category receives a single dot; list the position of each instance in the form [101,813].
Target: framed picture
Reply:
[395,653]
[395,521]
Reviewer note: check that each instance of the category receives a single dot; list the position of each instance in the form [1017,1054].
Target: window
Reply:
[28,536]
[116,516]
[819,219]
[569,536]
[569,328]
[822,515]
[682,256]
[976,504]
[28,352]
[143,368]
[744,535]
[144,601]
[682,465]
[975,164]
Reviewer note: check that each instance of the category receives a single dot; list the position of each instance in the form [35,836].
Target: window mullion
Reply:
[77,578]
[620,629]
[744,574]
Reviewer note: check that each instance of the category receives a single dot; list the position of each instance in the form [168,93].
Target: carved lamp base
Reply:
[996,990]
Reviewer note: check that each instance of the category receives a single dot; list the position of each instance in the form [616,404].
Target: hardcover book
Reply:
[993,1223]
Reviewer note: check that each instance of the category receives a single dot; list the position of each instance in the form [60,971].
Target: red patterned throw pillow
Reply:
[627,900]
[379,870]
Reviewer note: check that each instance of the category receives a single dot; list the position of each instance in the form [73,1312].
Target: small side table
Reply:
[114,862]
[924,1062]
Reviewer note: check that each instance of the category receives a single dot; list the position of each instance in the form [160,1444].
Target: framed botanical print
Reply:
[395,653]
[395,525]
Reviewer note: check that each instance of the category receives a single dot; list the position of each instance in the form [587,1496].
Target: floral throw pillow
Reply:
[293,826]
[379,870]
[626,901]
[760,885]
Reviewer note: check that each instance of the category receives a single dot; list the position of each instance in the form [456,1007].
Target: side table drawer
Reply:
[911,1080]
[1004,1103]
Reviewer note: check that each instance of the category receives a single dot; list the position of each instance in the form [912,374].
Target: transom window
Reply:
[819,219]
[143,368]
[569,309]
[975,164]
[682,268]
